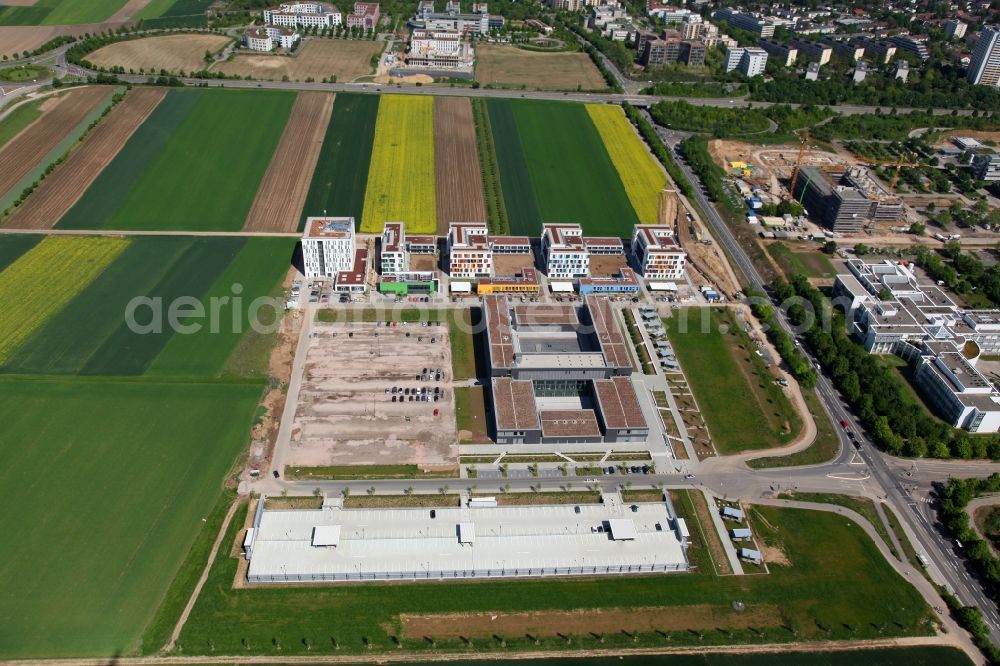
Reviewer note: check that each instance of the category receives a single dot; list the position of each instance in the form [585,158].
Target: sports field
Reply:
[553,160]
[401,176]
[195,164]
[338,183]
[640,173]
[723,370]
[59,12]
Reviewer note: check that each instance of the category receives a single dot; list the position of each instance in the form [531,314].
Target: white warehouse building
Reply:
[328,246]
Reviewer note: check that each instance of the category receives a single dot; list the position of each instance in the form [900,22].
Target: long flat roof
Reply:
[514,402]
[537,315]
[329,227]
[407,544]
[501,336]
[619,404]
[608,333]
[569,423]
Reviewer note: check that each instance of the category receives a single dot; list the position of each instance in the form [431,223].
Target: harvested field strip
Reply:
[207,174]
[75,333]
[401,175]
[42,281]
[59,12]
[13,246]
[22,154]
[105,195]
[641,175]
[319,59]
[456,164]
[126,352]
[167,447]
[338,183]
[514,67]
[18,119]
[282,193]
[570,169]
[489,169]
[173,53]
[59,192]
[259,266]
[523,214]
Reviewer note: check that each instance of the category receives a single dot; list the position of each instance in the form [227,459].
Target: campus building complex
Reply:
[563,251]
[364,16]
[893,311]
[329,251]
[560,374]
[657,253]
[447,49]
[267,38]
[306,14]
[845,201]
[469,251]
[452,19]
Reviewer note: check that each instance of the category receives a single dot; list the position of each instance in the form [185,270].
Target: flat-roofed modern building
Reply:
[657,253]
[785,54]
[309,14]
[814,51]
[984,68]
[564,253]
[845,201]
[395,258]
[478,540]
[763,27]
[267,38]
[328,246]
[560,374]
[469,251]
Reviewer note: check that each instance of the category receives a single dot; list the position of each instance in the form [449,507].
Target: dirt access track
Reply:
[456,164]
[700,617]
[282,192]
[61,190]
[344,414]
[60,116]
[174,53]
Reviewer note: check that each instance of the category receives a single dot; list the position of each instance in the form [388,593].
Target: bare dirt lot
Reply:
[599,621]
[602,265]
[423,262]
[346,59]
[174,53]
[282,192]
[511,66]
[60,191]
[770,162]
[17,38]
[512,264]
[22,153]
[456,164]
[346,417]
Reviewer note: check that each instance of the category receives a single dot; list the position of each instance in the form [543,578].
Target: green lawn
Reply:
[861,505]
[463,354]
[523,213]
[823,449]
[362,472]
[60,12]
[810,263]
[723,370]
[341,176]
[470,414]
[18,119]
[105,485]
[25,73]
[208,155]
[572,175]
[838,587]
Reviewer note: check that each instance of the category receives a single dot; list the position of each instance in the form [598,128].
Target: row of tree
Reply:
[796,361]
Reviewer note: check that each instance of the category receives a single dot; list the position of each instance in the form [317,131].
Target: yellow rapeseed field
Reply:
[401,175]
[641,175]
[41,282]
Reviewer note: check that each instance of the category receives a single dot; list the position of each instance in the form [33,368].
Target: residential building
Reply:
[814,51]
[986,166]
[860,72]
[661,52]
[984,70]
[328,246]
[563,251]
[751,61]
[269,37]
[395,258]
[785,54]
[763,27]
[668,13]
[845,49]
[439,49]
[876,50]
[364,16]
[902,70]
[306,14]
[656,252]
[913,45]
[452,18]
[469,251]
[693,53]
[955,29]
[892,310]
[844,201]
[692,27]
[812,71]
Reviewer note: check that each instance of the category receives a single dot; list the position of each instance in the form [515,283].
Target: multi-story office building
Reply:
[692,27]
[446,49]
[364,16]
[984,69]
[395,258]
[452,18]
[986,166]
[308,14]
[657,253]
[269,37]
[693,53]
[469,251]
[564,253]
[661,52]
[845,201]
[328,246]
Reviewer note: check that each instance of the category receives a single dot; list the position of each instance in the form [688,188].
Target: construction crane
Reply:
[899,164]
[803,143]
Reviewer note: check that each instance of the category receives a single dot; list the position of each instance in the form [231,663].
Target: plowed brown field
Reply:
[456,164]
[60,191]
[282,192]
[23,153]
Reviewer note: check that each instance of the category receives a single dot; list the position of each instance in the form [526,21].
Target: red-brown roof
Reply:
[528,315]
[499,331]
[619,403]
[608,334]
[569,423]
[514,401]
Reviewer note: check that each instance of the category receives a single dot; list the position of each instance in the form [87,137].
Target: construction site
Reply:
[705,264]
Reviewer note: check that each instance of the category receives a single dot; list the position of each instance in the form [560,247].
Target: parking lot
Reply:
[376,393]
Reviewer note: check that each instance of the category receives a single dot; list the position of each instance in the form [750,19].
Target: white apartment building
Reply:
[692,27]
[269,37]
[955,29]
[308,14]
[395,258]
[328,246]
[564,252]
[469,252]
[984,70]
[657,253]
[442,49]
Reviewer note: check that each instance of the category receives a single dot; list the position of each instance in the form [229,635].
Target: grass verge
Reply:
[823,449]
[861,505]
[361,472]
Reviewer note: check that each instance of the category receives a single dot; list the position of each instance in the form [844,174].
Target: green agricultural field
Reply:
[18,119]
[174,8]
[105,489]
[206,173]
[341,175]
[523,212]
[60,12]
[723,370]
[13,246]
[572,175]
[838,586]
